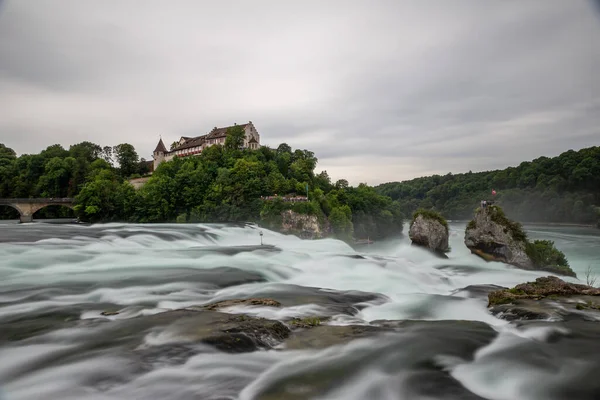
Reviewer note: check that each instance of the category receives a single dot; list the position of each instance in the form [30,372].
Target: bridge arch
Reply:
[37,215]
[12,207]
[27,207]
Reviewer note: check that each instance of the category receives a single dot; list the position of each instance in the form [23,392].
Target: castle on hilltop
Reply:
[190,146]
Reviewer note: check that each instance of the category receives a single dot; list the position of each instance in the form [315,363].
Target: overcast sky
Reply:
[379,90]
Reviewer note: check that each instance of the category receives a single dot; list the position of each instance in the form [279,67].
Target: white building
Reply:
[190,146]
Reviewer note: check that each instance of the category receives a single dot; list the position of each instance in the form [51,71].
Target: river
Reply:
[57,280]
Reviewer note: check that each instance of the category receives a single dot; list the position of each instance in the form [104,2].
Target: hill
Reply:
[563,189]
[222,184]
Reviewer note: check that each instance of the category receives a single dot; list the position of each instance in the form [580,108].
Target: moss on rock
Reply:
[541,288]
[430,214]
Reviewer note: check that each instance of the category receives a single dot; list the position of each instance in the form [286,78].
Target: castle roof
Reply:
[222,132]
[191,142]
[160,147]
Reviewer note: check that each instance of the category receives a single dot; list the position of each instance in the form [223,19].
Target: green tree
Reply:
[105,198]
[127,158]
[235,137]
[341,222]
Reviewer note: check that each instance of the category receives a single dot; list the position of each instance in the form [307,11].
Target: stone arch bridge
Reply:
[27,207]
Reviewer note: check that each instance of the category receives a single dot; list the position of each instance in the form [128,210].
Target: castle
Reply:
[189,146]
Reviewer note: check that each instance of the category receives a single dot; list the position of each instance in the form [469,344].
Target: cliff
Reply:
[302,225]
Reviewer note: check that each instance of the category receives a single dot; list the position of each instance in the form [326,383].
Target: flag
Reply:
[493,192]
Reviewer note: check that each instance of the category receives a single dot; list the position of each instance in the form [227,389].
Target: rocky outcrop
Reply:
[493,237]
[303,225]
[429,231]
[546,298]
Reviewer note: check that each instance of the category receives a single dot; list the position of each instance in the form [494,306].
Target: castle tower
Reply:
[159,153]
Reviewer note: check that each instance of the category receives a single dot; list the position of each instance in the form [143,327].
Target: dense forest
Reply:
[222,184]
[563,189]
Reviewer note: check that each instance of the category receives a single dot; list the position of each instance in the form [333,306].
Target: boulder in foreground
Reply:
[546,298]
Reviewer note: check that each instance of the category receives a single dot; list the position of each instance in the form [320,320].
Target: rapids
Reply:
[57,280]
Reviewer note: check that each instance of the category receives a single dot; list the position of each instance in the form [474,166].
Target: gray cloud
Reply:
[379,91]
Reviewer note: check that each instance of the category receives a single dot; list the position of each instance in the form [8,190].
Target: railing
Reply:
[56,200]
[292,199]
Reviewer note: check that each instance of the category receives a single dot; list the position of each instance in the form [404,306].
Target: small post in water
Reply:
[261,235]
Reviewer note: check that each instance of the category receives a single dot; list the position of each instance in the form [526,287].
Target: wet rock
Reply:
[323,336]
[306,323]
[242,302]
[226,332]
[31,324]
[546,298]
[564,360]
[429,232]
[493,237]
[332,301]
[406,352]
[477,291]
[109,313]
[542,287]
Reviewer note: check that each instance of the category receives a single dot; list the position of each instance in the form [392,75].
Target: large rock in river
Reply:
[493,237]
[546,298]
[428,230]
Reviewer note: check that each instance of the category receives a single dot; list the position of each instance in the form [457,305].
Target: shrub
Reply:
[515,228]
[543,253]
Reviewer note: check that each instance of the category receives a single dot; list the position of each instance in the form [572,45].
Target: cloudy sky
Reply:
[380,90]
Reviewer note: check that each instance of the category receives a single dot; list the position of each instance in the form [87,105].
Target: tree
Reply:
[127,158]
[105,198]
[107,154]
[341,222]
[341,184]
[235,138]
[86,150]
[7,153]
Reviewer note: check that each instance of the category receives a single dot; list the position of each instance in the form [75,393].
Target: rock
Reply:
[430,232]
[303,225]
[542,287]
[546,298]
[493,237]
[306,322]
[332,302]
[406,354]
[226,332]
[242,302]
[323,336]
[477,291]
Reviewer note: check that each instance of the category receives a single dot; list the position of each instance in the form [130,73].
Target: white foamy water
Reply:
[75,273]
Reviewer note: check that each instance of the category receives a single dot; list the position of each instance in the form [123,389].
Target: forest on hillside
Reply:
[222,184]
[563,189]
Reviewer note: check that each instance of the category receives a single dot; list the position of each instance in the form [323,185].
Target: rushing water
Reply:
[56,280]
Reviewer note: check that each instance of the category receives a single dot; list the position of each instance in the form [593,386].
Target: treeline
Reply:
[560,189]
[222,184]
[57,172]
